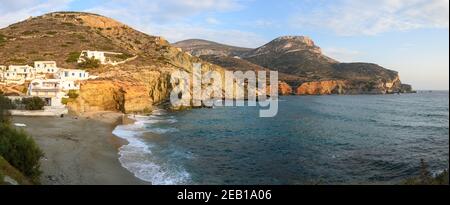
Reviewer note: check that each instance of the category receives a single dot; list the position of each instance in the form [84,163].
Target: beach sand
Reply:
[79,150]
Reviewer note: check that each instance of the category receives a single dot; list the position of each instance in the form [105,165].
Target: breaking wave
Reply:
[137,156]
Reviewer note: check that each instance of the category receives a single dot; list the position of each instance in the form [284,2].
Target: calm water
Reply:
[313,140]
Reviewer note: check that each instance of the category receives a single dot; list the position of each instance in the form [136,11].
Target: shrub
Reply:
[34,103]
[73,94]
[52,32]
[64,101]
[426,178]
[68,24]
[18,60]
[5,105]
[124,56]
[2,39]
[20,151]
[30,32]
[89,63]
[73,57]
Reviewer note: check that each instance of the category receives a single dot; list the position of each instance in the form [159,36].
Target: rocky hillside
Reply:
[199,47]
[303,66]
[135,86]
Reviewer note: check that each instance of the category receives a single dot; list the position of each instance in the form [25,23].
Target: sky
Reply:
[409,36]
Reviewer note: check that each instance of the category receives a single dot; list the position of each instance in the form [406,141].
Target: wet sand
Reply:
[79,150]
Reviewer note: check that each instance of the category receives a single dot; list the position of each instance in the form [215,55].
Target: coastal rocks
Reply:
[284,89]
[105,95]
[322,88]
[405,88]
[346,87]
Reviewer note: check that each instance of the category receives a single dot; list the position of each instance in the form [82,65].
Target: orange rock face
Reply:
[321,88]
[284,89]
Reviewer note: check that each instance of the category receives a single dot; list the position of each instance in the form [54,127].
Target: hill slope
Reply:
[135,86]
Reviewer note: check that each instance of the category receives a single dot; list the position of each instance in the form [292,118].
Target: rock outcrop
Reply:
[322,88]
[285,89]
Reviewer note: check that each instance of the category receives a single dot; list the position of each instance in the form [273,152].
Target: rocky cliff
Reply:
[304,68]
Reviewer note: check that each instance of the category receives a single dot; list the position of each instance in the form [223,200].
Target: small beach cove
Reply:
[79,150]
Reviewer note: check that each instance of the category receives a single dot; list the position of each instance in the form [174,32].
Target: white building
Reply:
[49,90]
[102,56]
[46,67]
[18,74]
[52,90]
[73,74]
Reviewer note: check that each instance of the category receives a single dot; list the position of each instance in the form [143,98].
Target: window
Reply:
[73,74]
[66,74]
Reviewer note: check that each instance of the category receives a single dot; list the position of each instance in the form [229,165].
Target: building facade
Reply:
[73,74]
[46,67]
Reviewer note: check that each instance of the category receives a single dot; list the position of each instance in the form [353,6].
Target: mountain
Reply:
[199,47]
[303,66]
[135,86]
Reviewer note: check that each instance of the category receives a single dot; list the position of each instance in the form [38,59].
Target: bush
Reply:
[73,94]
[20,151]
[26,33]
[64,101]
[34,103]
[89,63]
[426,178]
[5,105]
[2,39]
[73,57]
[124,56]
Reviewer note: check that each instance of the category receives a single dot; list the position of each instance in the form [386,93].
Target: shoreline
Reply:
[80,150]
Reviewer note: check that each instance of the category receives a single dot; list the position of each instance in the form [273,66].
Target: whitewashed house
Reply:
[46,67]
[18,74]
[73,74]
[52,90]
[102,56]
[49,90]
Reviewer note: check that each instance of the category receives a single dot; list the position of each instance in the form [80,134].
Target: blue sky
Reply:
[410,36]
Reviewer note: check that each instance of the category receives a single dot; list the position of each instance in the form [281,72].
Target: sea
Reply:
[314,140]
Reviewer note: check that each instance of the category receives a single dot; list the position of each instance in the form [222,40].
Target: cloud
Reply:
[213,21]
[173,19]
[16,10]
[167,10]
[180,32]
[372,17]
[342,54]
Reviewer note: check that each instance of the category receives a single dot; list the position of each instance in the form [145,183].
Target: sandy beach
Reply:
[79,150]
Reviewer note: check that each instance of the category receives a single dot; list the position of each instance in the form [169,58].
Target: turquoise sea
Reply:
[364,139]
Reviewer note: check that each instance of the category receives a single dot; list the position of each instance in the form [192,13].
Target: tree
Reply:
[5,105]
[34,103]
[89,63]
[20,151]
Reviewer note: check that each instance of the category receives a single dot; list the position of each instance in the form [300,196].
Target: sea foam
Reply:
[137,156]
